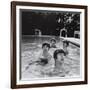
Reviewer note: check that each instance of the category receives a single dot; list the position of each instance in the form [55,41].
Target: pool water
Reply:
[30,50]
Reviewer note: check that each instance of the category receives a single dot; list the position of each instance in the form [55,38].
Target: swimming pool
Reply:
[30,49]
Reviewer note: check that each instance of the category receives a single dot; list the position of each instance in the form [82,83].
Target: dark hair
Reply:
[53,40]
[57,52]
[46,44]
[67,42]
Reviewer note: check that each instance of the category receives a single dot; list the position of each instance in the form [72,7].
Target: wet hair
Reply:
[66,42]
[53,40]
[58,51]
[46,44]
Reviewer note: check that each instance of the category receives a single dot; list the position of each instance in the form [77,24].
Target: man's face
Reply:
[60,56]
[45,48]
[53,42]
[64,45]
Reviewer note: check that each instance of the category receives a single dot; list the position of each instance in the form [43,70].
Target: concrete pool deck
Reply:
[74,41]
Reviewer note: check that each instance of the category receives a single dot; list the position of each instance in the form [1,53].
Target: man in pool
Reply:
[58,56]
[45,60]
[45,56]
[44,63]
[53,43]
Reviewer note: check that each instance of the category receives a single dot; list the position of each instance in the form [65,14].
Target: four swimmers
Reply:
[58,56]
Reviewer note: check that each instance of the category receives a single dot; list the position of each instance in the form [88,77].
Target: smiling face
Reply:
[65,44]
[60,56]
[45,48]
[53,42]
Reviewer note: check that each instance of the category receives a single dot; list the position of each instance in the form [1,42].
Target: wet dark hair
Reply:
[59,51]
[66,42]
[46,44]
[53,40]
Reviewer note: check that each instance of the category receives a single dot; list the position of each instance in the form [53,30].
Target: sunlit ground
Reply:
[30,49]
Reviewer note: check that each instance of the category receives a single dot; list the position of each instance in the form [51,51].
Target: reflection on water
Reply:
[30,49]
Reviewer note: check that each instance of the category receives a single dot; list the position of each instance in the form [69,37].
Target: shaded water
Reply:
[30,50]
